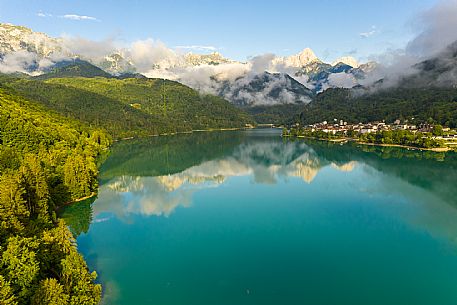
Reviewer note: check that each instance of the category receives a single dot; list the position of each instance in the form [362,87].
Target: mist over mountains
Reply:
[428,60]
[263,80]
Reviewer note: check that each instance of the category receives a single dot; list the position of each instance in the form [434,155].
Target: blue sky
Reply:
[237,29]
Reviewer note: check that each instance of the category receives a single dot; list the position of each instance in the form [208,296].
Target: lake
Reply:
[245,217]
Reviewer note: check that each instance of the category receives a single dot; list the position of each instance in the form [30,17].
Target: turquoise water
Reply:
[247,218]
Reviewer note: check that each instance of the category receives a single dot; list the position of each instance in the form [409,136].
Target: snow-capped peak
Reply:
[347,60]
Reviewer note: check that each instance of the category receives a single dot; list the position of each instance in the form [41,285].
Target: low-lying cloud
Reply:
[436,29]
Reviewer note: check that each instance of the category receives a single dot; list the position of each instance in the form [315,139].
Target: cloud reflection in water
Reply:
[265,162]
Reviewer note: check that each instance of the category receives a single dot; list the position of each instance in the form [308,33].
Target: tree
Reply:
[6,293]
[50,292]
[78,281]
[20,264]
[56,244]
[437,130]
[37,192]
[77,176]
[34,148]
[13,211]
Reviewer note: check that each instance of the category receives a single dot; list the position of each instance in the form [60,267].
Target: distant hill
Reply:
[130,107]
[73,68]
[437,105]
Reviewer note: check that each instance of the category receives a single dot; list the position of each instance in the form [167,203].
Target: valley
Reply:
[135,170]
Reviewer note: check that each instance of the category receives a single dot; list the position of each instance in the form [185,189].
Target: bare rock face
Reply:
[15,38]
[299,60]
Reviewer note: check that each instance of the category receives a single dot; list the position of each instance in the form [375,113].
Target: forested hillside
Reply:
[74,68]
[46,160]
[130,107]
[276,114]
[434,105]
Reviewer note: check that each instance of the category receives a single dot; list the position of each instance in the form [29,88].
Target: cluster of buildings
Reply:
[373,127]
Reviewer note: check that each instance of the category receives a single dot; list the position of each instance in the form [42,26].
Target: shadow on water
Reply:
[158,156]
[78,215]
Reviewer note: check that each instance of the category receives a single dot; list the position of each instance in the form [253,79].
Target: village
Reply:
[344,128]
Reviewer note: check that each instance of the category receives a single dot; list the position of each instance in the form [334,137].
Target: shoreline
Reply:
[343,140]
[190,132]
[340,140]
[68,203]
[183,132]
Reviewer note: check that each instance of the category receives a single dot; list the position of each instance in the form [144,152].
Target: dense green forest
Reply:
[132,106]
[433,105]
[76,68]
[275,114]
[46,160]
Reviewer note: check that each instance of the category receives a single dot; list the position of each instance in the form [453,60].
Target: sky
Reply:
[237,29]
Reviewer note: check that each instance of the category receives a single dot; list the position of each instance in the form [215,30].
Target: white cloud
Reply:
[198,48]
[79,17]
[342,80]
[149,53]
[88,49]
[43,15]
[369,33]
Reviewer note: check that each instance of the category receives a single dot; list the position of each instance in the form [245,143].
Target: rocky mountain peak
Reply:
[214,58]
[15,38]
[347,60]
[301,59]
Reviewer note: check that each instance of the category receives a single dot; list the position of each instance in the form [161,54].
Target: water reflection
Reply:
[351,216]
[265,162]
[154,177]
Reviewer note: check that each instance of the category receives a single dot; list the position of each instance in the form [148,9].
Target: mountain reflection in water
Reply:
[155,176]
[265,161]
[236,202]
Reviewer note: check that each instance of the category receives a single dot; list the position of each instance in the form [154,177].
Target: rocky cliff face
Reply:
[18,38]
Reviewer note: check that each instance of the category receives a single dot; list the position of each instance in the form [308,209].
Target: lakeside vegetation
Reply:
[385,137]
[45,161]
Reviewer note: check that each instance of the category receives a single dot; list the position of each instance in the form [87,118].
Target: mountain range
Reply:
[427,94]
[297,88]
[292,79]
